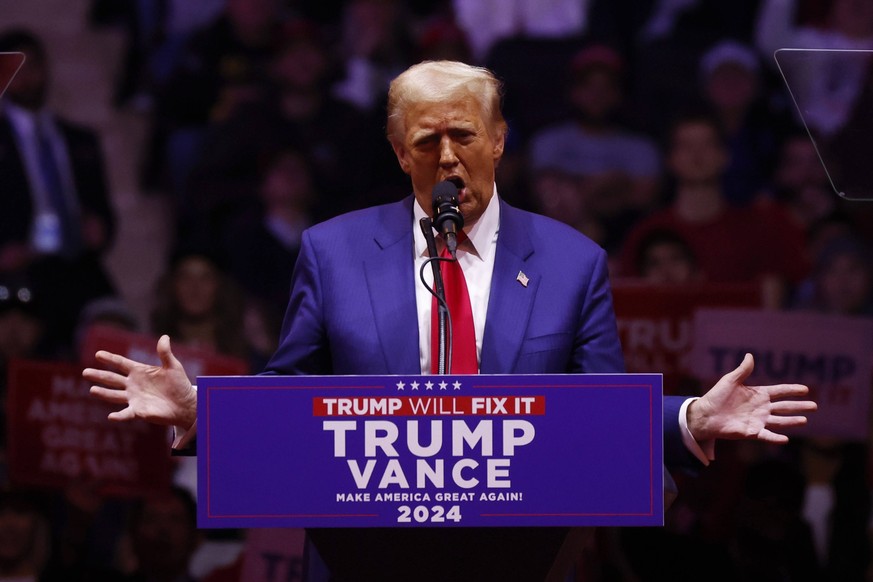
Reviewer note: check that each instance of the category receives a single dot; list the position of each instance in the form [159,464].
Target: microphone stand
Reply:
[443,363]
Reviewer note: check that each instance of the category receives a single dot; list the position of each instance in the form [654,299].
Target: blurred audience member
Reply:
[731,85]
[262,245]
[21,327]
[619,170]
[376,46]
[772,539]
[665,258]
[827,85]
[103,311]
[488,21]
[28,552]
[25,543]
[799,181]
[56,220]
[842,281]
[837,506]
[163,537]
[197,305]
[296,111]
[155,33]
[22,336]
[221,67]
[443,40]
[731,244]
[668,48]
[560,195]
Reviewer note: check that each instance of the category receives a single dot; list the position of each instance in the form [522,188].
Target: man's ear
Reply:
[497,150]
[402,156]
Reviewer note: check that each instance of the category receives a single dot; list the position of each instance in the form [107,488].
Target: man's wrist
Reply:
[702,449]
[696,418]
[188,415]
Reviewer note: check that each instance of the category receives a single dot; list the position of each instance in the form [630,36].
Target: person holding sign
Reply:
[538,291]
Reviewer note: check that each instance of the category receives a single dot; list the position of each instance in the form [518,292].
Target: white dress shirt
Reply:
[476,257]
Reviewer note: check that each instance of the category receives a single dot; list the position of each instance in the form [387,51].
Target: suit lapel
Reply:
[510,302]
[390,282]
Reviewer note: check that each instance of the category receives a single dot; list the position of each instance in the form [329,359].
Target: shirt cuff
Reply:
[182,436]
[705,451]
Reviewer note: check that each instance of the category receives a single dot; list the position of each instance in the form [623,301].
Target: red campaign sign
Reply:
[656,323]
[59,434]
[141,348]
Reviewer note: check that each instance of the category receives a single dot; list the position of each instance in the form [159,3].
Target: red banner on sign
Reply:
[58,433]
[430,406]
[141,347]
[656,324]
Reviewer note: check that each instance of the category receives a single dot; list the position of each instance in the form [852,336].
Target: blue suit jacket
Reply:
[352,308]
[353,311]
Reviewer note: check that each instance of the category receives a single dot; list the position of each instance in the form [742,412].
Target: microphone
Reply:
[447,219]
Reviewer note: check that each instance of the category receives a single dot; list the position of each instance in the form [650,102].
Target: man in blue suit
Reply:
[539,297]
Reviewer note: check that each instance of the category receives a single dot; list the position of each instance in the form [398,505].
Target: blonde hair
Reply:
[440,82]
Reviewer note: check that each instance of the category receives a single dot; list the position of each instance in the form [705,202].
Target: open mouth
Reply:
[460,185]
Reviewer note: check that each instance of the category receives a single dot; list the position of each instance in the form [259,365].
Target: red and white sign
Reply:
[58,434]
[656,327]
[831,354]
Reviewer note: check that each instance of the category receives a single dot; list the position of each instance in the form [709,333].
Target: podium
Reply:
[433,477]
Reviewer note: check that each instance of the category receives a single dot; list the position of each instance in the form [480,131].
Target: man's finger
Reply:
[792,406]
[771,437]
[104,377]
[115,360]
[165,353]
[109,395]
[778,391]
[786,421]
[743,371]
[125,414]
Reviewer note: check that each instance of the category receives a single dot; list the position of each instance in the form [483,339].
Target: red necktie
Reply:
[464,359]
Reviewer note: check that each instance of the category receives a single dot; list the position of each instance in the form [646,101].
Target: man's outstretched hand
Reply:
[158,394]
[733,410]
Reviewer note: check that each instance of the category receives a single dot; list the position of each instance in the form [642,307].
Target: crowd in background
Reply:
[662,129]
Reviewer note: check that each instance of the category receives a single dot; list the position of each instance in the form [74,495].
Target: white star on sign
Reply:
[400,385]
[457,385]
[428,385]
[443,385]
[414,385]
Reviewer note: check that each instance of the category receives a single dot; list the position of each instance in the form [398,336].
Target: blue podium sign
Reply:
[435,451]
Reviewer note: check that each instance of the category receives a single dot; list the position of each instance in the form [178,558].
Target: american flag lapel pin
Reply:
[522,278]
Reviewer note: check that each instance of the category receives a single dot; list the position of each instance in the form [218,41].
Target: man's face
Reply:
[450,141]
[596,95]
[732,86]
[667,263]
[697,154]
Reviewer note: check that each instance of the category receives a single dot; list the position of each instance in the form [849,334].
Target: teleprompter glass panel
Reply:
[833,92]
